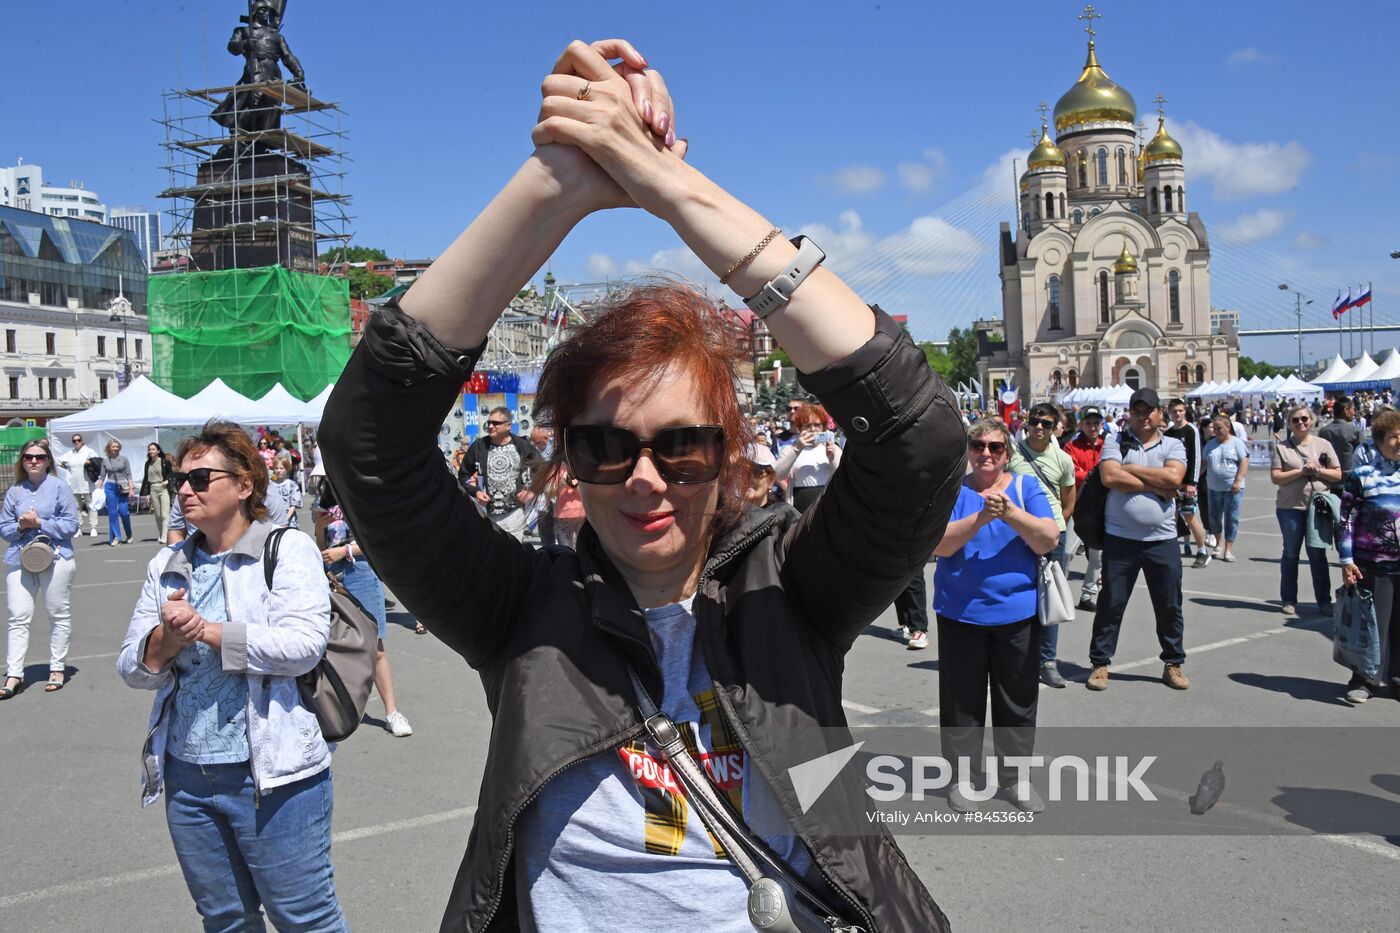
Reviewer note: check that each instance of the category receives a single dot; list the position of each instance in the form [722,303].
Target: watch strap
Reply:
[778,291]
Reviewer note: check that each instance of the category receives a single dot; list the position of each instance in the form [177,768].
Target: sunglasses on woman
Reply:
[198,479]
[34,458]
[996,448]
[605,456]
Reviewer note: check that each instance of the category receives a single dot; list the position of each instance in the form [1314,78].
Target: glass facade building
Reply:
[144,225]
[63,260]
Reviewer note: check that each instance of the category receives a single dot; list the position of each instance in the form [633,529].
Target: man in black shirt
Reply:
[1342,433]
[1186,432]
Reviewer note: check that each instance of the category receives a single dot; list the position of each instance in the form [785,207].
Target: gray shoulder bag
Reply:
[779,901]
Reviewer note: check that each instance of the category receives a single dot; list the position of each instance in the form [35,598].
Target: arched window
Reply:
[1073,378]
[1174,295]
[1078,216]
[1167,199]
[1181,199]
[1101,160]
[1083,169]
[1122,170]
[1062,207]
[1200,373]
[1026,222]
[1053,285]
[1183,374]
[1154,199]
[1049,206]
[1095,212]
[1057,379]
[1103,297]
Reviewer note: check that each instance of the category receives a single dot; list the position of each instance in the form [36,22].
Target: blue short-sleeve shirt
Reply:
[991,581]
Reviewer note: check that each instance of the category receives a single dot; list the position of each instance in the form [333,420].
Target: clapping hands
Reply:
[181,623]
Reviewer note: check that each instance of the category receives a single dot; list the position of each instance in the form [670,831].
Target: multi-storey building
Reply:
[145,226]
[23,186]
[63,347]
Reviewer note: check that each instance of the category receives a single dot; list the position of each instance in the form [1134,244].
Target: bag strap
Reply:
[1026,455]
[271,547]
[749,855]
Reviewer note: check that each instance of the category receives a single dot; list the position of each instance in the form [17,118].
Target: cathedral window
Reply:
[1057,379]
[1053,285]
[1062,207]
[1183,374]
[1200,373]
[1083,169]
[1122,170]
[1074,378]
[1078,216]
[1154,200]
[1174,295]
[1103,297]
[1180,198]
[1036,206]
[1095,212]
[1049,205]
[1167,199]
[1101,166]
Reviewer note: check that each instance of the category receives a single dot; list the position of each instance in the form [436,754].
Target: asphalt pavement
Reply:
[79,853]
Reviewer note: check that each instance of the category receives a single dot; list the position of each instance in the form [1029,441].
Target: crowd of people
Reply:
[705,572]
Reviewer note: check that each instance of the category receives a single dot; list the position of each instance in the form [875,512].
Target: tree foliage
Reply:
[957,362]
[363,284]
[354,254]
[1249,368]
[779,355]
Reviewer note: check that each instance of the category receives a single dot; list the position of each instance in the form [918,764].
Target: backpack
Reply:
[337,688]
[1092,501]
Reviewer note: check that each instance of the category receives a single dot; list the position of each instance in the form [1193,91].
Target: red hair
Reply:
[641,334]
[811,413]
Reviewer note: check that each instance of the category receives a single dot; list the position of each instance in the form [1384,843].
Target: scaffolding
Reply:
[270,196]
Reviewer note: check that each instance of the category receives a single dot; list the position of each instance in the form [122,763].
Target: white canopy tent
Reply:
[1389,367]
[1334,371]
[1203,390]
[1361,372]
[218,400]
[279,406]
[317,406]
[132,418]
[1293,387]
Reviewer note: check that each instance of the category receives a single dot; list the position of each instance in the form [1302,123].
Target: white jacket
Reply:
[71,464]
[271,637]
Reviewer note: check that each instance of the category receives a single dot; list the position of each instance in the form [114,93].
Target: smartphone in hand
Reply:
[826,437]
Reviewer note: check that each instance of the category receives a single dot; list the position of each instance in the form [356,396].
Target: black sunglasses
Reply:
[497,424]
[605,456]
[198,479]
[35,458]
[1043,422]
[997,448]
[1301,420]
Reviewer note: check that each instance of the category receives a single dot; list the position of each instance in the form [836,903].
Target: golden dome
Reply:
[1094,99]
[1045,154]
[1125,262]
[1162,146]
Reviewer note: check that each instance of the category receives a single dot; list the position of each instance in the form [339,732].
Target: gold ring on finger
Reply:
[584,91]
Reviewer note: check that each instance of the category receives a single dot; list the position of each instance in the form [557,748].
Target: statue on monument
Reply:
[263,47]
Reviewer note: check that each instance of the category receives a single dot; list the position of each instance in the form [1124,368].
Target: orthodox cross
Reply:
[1044,108]
[1159,100]
[1090,14]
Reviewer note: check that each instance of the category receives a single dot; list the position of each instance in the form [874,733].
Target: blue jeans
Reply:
[1293,525]
[1050,634]
[1225,513]
[238,858]
[118,503]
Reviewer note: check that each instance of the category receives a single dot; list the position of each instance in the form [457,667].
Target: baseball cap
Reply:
[1092,411]
[1145,395]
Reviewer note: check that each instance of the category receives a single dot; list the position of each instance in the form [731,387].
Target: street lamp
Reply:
[1300,304]
[120,307]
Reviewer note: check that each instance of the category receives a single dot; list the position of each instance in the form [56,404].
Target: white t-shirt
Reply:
[811,468]
[71,469]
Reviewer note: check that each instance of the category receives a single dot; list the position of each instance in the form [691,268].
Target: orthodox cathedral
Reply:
[1106,278]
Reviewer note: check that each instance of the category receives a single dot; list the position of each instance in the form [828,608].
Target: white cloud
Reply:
[601,265]
[844,246]
[919,176]
[856,179]
[1257,225]
[679,261]
[1240,170]
[1002,171]
[1249,55]
[1309,240]
[929,246]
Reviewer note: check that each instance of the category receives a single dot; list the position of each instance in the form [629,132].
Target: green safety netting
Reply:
[253,328]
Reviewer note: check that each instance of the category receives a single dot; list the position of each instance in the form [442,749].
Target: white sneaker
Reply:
[918,641]
[1211,542]
[397,725]
[93,533]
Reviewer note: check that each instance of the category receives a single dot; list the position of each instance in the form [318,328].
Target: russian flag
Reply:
[1343,304]
[1363,299]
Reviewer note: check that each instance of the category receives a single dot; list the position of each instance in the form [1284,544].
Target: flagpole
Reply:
[1370,290]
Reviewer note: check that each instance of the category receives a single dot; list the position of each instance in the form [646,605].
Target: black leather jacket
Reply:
[551,631]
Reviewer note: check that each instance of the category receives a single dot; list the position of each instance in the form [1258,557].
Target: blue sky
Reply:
[874,125]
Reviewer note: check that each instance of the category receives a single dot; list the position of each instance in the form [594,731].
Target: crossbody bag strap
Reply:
[271,547]
[747,853]
[1026,455]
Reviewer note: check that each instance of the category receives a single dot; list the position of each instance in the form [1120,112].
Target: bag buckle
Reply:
[662,731]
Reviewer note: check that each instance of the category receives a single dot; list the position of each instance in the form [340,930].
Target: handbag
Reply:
[1054,598]
[38,555]
[337,688]
[779,901]
[1356,641]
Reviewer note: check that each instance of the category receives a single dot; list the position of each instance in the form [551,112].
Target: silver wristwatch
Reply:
[779,289]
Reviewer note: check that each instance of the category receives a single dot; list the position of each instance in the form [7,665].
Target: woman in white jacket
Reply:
[245,769]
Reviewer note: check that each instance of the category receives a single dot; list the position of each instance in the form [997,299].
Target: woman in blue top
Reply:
[1227,462]
[39,503]
[984,597]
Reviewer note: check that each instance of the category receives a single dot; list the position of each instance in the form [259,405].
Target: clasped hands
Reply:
[606,132]
[180,621]
[28,520]
[995,504]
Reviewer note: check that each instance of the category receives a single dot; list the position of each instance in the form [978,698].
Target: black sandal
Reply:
[7,691]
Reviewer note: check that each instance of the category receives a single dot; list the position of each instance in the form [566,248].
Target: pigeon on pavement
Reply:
[1209,790]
